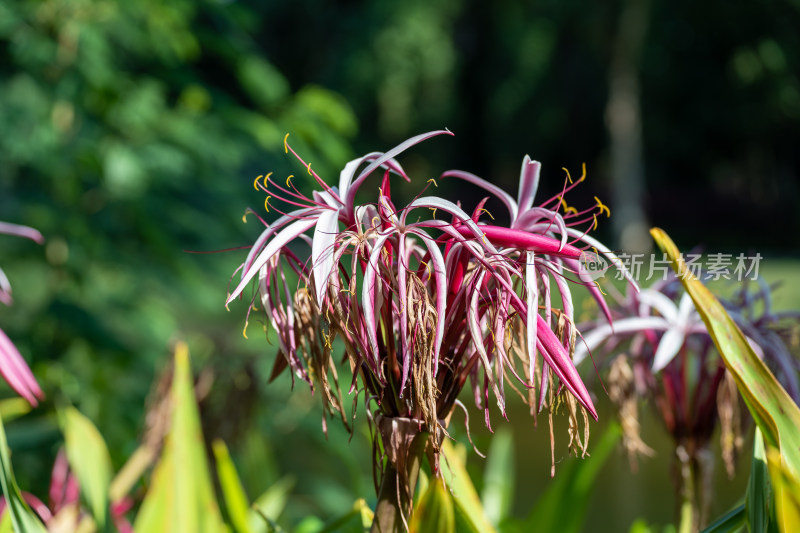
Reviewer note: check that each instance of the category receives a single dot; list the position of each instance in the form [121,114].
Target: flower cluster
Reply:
[662,350]
[424,297]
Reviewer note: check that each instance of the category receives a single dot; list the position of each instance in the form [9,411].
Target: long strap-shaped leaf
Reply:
[22,518]
[773,410]
[181,497]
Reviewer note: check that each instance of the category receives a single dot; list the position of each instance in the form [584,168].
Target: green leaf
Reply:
[563,506]
[22,518]
[759,490]
[271,503]
[89,459]
[12,408]
[786,490]
[181,497]
[498,482]
[730,522]
[357,519]
[434,511]
[235,498]
[468,509]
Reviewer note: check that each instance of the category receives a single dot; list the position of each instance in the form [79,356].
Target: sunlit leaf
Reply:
[271,503]
[89,459]
[434,511]
[786,490]
[232,491]
[181,497]
[467,504]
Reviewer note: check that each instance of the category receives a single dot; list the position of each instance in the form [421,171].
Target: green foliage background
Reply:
[132,131]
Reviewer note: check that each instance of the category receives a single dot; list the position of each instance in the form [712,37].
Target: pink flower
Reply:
[425,296]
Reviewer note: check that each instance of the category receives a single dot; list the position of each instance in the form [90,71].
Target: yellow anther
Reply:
[266,203]
[568,209]
[434,182]
[487,212]
[308,167]
[434,211]
[594,225]
[255,183]
[427,267]
[374,225]
[287,180]
[599,288]
[567,171]
[285,144]
[244,331]
[583,175]
[602,206]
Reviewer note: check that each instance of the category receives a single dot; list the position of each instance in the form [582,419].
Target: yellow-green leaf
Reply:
[772,408]
[787,493]
[467,504]
[232,491]
[22,518]
[181,497]
[89,459]
[434,511]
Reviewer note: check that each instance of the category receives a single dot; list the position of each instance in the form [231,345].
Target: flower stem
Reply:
[396,493]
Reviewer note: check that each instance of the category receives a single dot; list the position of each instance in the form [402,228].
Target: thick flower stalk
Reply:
[424,297]
[13,367]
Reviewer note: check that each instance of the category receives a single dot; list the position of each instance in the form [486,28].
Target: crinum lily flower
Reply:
[423,297]
[13,367]
[661,350]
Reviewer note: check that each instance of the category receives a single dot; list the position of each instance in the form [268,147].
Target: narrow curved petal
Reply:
[322,249]
[668,347]
[531,221]
[16,372]
[557,357]
[523,240]
[660,303]
[477,341]
[528,183]
[532,301]
[21,231]
[278,241]
[502,195]
[368,294]
[268,232]
[440,278]
[594,338]
[390,154]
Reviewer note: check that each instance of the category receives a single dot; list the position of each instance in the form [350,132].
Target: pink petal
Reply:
[528,183]
[16,372]
[522,240]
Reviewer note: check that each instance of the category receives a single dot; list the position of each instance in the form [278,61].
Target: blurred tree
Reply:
[133,130]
